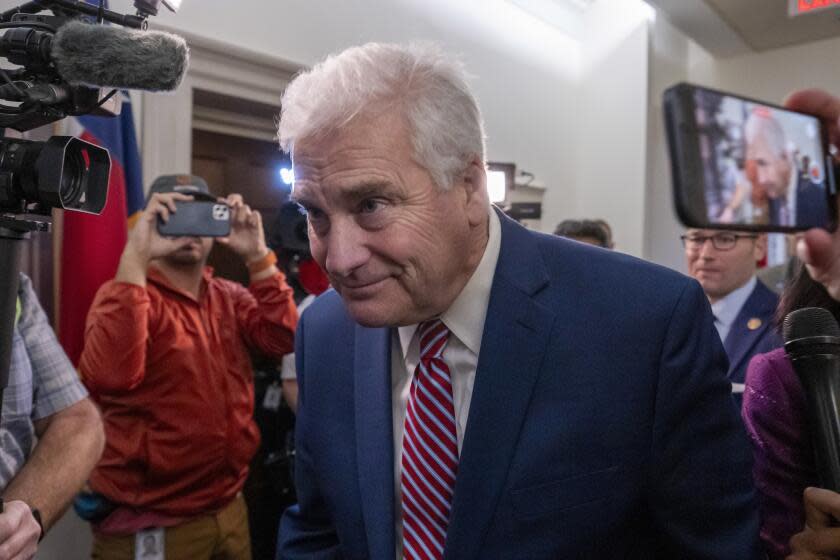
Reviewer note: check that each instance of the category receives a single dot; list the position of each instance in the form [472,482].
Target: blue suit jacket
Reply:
[745,340]
[601,423]
[811,203]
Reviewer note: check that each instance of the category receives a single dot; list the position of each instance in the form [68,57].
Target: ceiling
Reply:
[564,15]
[732,27]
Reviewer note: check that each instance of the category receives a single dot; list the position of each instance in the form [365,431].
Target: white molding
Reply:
[167,132]
[228,122]
[215,66]
[232,70]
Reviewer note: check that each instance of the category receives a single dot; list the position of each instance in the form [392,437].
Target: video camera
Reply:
[68,64]
[63,60]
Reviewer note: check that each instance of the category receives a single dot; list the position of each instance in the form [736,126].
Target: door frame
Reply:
[167,119]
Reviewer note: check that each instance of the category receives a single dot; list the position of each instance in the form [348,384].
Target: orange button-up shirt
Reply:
[173,378]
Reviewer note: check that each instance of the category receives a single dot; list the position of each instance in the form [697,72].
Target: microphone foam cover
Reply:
[809,321]
[115,57]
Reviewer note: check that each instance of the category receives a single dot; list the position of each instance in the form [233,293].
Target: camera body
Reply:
[65,173]
[151,7]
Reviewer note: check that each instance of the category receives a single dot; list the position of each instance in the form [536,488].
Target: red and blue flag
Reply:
[91,245]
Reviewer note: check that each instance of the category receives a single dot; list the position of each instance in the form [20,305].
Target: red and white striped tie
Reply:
[430,450]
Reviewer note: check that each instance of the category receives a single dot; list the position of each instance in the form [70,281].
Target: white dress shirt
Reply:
[465,320]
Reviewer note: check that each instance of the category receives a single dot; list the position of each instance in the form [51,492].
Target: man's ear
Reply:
[475,187]
[760,250]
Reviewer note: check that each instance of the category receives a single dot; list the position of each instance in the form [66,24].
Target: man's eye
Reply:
[371,205]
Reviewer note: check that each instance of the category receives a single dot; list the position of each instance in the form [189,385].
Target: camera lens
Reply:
[72,180]
[73,174]
[63,172]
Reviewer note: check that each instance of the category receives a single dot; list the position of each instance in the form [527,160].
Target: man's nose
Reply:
[346,248]
[707,249]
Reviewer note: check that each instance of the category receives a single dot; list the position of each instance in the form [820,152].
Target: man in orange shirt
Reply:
[167,359]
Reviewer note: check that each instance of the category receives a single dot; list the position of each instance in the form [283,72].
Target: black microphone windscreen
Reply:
[114,57]
[809,321]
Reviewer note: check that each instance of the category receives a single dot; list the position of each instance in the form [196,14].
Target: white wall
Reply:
[609,180]
[773,74]
[668,63]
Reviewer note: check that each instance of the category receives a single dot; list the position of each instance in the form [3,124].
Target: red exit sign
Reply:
[799,7]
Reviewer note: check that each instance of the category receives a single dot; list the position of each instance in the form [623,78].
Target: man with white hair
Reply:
[474,390]
[792,198]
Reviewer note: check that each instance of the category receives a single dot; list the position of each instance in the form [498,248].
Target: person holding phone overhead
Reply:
[166,357]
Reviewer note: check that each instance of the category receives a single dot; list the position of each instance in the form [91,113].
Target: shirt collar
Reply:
[465,317]
[728,307]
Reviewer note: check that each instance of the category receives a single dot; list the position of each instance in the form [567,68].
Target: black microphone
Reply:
[114,57]
[812,342]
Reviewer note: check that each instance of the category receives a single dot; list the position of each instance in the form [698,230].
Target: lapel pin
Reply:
[753,323]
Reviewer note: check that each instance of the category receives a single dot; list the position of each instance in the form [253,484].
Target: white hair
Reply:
[769,129]
[429,87]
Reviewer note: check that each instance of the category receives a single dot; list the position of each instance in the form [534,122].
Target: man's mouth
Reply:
[361,288]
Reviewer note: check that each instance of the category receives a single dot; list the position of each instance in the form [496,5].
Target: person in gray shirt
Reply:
[51,434]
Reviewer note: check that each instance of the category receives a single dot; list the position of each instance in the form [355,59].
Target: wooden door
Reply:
[232,164]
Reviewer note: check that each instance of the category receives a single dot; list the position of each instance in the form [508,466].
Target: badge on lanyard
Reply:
[148,545]
[271,400]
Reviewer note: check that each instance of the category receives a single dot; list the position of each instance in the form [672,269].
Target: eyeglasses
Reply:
[720,241]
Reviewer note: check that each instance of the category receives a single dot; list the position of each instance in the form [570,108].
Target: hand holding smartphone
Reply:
[742,164]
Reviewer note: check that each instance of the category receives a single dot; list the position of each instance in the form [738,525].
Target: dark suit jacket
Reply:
[811,203]
[601,424]
[745,340]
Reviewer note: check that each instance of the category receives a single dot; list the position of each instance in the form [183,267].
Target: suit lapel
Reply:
[374,437]
[516,333]
[743,336]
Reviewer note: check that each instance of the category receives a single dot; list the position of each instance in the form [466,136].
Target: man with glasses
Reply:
[724,262]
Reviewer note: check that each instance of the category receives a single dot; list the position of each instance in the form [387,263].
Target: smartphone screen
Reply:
[745,164]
